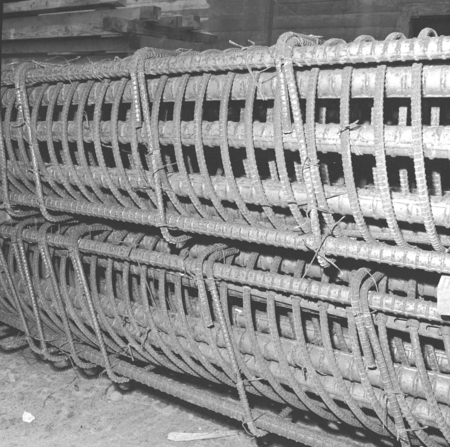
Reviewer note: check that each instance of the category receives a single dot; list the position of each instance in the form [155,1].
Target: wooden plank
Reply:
[73,46]
[60,50]
[185,21]
[302,2]
[55,31]
[152,13]
[176,6]
[139,27]
[33,7]
[69,24]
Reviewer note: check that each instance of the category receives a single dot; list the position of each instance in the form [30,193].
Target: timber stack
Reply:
[85,31]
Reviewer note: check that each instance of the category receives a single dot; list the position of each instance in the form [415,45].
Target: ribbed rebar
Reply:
[267,220]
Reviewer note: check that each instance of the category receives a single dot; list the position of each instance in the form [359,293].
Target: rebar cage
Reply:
[274,220]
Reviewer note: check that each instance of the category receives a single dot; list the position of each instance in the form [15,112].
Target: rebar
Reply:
[270,220]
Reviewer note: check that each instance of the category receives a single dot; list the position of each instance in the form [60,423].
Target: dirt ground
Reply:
[72,409]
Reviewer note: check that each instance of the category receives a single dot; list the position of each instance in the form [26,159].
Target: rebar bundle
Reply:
[270,220]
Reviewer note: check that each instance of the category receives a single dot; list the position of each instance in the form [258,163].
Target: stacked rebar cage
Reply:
[274,220]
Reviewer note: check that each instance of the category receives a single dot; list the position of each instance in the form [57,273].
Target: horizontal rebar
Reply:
[205,398]
[343,246]
[408,378]
[398,85]
[398,139]
[306,287]
[364,51]
[407,208]
[394,306]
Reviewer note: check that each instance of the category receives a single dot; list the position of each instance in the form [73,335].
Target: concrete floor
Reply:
[72,409]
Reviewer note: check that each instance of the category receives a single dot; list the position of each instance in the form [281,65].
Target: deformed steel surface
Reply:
[275,220]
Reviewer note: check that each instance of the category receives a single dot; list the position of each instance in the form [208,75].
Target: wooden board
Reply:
[73,46]
[139,27]
[178,6]
[70,24]
[96,48]
[34,7]
[184,21]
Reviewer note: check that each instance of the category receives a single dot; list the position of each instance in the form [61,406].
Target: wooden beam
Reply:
[34,7]
[184,21]
[182,6]
[72,46]
[55,31]
[71,24]
[150,13]
[139,27]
